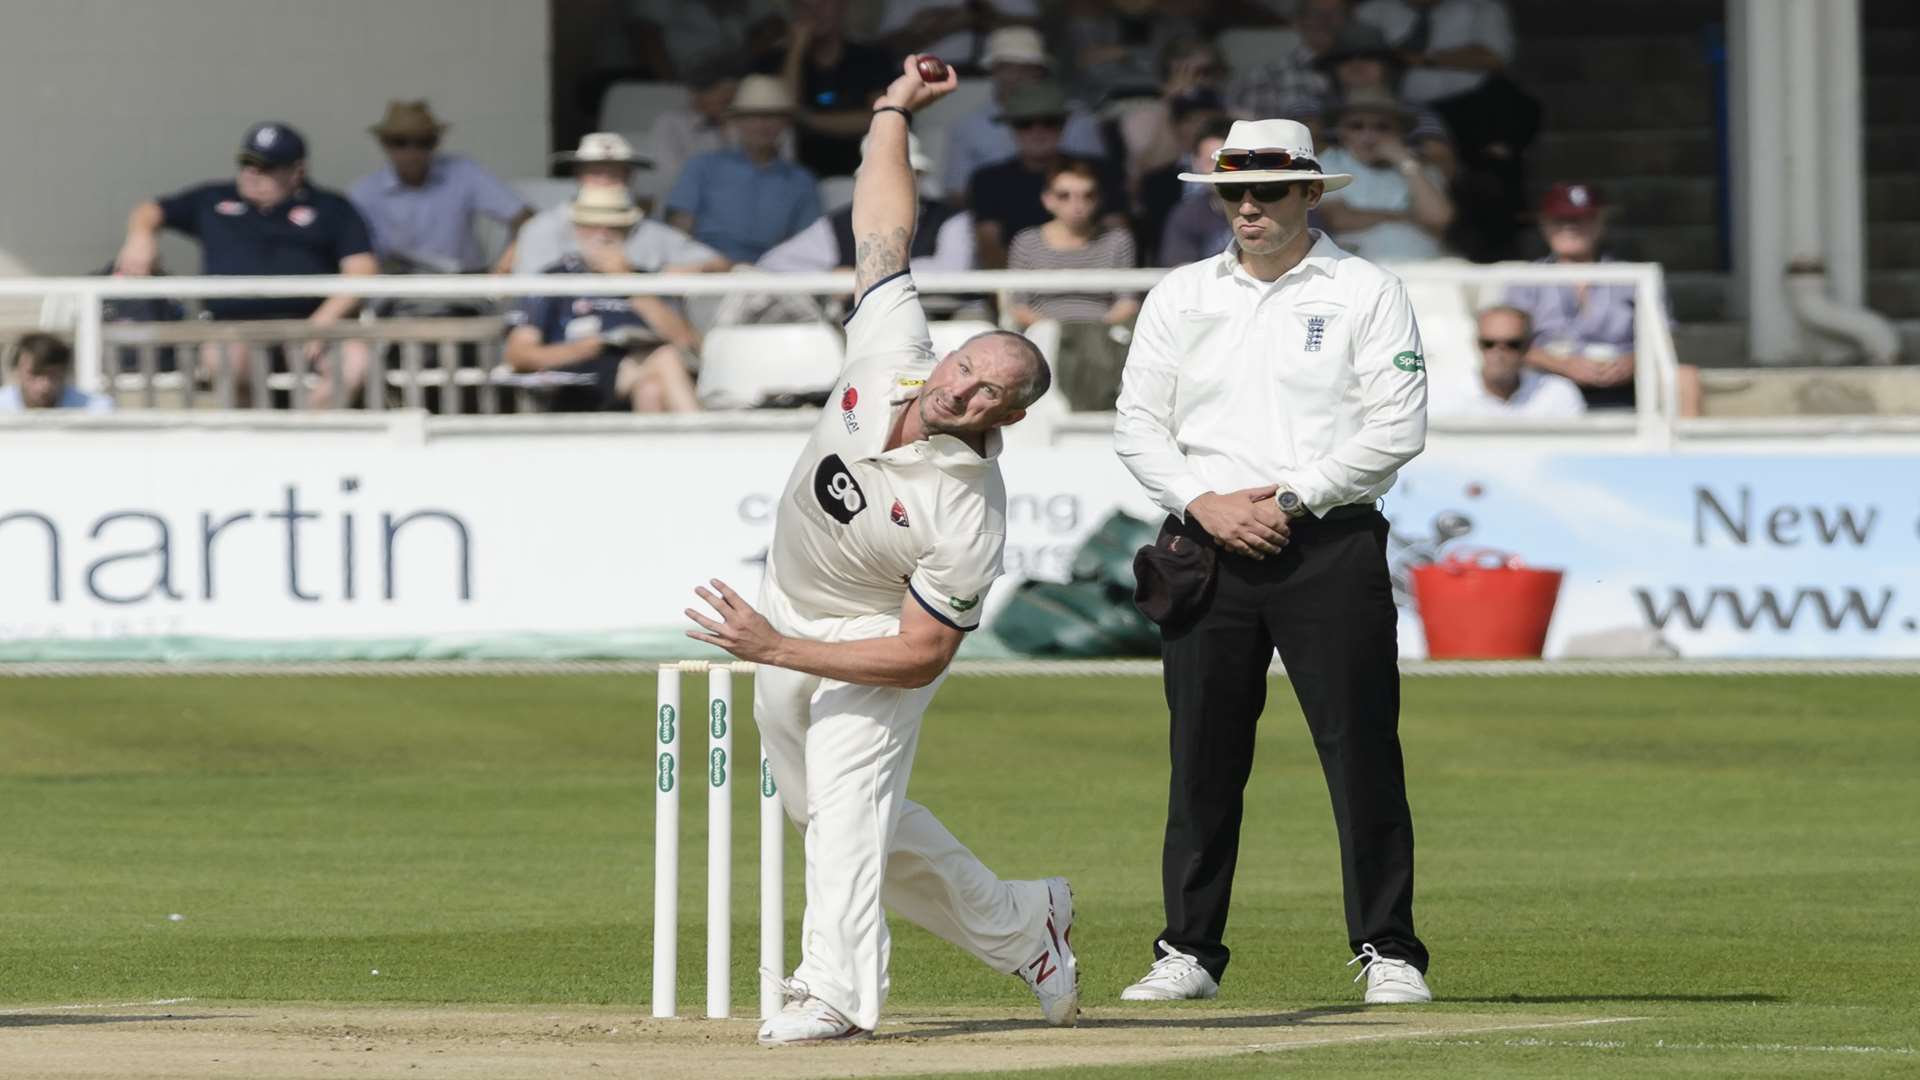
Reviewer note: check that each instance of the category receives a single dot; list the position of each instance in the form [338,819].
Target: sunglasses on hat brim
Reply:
[1269,159]
[1272,191]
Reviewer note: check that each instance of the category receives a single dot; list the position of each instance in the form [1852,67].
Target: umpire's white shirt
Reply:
[859,526]
[1316,381]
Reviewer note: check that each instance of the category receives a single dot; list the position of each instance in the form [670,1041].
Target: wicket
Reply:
[666,847]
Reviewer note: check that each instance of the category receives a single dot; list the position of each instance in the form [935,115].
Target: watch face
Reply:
[1289,501]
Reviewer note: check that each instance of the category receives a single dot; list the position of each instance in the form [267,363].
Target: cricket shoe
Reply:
[1174,977]
[1054,975]
[806,1019]
[1390,981]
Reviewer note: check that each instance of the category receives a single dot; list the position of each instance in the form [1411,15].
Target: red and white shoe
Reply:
[807,1019]
[1054,975]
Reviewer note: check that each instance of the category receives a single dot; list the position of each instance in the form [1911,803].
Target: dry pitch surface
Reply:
[199,1040]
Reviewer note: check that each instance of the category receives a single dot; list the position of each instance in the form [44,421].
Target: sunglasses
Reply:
[1516,344]
[408,142]
[1039,121]
[1272,192]
[1271,159]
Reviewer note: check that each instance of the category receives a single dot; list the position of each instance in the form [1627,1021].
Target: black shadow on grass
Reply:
[79,1019]
[1589,999]
[1267,1020]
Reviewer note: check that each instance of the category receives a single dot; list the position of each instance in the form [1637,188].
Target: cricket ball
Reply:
[932,69]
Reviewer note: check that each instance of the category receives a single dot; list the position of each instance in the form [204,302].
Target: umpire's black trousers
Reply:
[1326,604]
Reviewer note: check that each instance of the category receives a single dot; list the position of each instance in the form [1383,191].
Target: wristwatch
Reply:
[1290,503]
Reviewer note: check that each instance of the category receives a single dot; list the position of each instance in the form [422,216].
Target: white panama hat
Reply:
[604,146]
[1289,136]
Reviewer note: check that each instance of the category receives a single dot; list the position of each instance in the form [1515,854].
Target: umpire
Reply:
[1271,394]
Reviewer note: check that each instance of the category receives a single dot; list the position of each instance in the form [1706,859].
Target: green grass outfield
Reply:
[1735,859]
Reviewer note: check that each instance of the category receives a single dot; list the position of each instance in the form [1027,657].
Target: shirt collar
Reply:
[1322,257]
[950,454]
[390,179]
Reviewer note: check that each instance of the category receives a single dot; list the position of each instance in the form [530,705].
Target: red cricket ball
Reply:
[932,69]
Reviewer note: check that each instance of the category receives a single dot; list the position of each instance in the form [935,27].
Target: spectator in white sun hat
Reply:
[1015,57]
[604,159]
[1272,394]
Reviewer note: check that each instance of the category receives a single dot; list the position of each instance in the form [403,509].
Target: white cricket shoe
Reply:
[807,1019]
[1174,977]
[1054,975]
[1390,981]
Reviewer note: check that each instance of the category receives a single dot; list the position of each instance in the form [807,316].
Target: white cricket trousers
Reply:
[841,755]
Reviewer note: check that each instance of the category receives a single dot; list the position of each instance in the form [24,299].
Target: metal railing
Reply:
[1655,371]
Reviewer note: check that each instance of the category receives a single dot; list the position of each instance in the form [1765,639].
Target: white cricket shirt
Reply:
[861,527]
[1316,380]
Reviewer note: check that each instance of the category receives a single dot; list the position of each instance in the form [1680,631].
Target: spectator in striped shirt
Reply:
[1095,326]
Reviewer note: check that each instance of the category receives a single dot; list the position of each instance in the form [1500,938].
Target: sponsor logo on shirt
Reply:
[837,491]
[899,513]
[230,207]
[302,216]
[847,401]
[582,306]
[666,723]
[1410,361]
[963,605]
[908,384]
[1316,331]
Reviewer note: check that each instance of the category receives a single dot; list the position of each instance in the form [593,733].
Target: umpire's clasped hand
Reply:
[1246,522]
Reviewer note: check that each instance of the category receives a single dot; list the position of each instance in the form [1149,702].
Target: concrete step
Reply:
[1597,156]
[1624,105]
[1893,245]
[1559,18]
[1623,58]
[1721,345]
[1676,247]
[1812,391]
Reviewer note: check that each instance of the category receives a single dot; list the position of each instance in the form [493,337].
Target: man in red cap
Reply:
[1586,332]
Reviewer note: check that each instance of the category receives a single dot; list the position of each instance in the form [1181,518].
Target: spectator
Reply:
[1196,228]
[268,221]
[625,352]
[743,201]
[1095,327]
[1117,46]
[664,34]
[1360,61]
[1454,54]
[1507,386]
[1190,74]
[1397,207]
[1005,197]
[1160,190]
[605,160]
[420,207]
[1015,57]
[1271,88]
[836,82]
[942,239]
[681,133]
[1586,332]
[957,31]
[42,378]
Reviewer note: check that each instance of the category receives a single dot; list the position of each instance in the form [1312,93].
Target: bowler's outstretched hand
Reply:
[741,630]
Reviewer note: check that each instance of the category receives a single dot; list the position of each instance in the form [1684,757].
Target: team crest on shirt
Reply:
[302,216]
[847,401]
[230,207]
[899,513]
[1316,332]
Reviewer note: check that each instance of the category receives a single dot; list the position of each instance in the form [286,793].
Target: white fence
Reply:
[1444,294]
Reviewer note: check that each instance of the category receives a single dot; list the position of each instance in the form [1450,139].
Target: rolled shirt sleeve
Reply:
[1143,425]
[1390,363]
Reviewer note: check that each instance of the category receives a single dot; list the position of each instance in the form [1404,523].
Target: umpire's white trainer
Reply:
[806,1019]
[1390,981]
[1054,975]
[1174,977]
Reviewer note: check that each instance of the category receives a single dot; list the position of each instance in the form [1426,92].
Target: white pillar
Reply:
[1843,205]
[1756,76]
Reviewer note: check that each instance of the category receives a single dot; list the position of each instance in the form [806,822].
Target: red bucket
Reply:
[1485,605]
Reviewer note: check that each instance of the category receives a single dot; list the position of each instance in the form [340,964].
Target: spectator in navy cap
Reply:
[267,221]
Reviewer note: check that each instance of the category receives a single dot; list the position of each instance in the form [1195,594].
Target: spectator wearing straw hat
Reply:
[1016,56]
[744,200]
[604,159]
[421,205]
[267,221]
[1397,206]
[625,352]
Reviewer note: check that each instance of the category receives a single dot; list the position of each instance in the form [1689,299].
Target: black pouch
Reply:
[1173,576]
